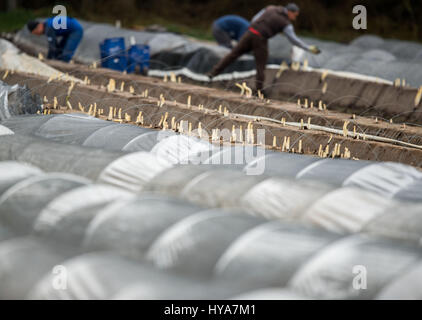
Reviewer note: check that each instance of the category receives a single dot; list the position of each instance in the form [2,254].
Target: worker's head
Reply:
[292,11]
[36,27]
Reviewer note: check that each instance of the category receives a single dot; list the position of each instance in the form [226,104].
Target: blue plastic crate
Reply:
[113,54]
[138,56]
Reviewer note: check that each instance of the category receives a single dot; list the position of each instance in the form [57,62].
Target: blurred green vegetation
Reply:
[15,20]
[10,21]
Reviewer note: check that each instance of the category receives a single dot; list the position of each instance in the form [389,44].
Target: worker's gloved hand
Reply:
[314,50]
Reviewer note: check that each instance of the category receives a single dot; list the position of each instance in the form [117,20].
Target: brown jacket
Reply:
[271,22]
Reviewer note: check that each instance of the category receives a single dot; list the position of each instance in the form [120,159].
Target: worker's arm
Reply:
[289,32]
[52,43]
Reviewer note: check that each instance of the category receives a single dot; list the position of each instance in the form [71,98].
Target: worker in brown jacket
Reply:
[266,24]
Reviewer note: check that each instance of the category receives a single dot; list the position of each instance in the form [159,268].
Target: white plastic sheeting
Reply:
[181,148]
[137,171]
[411,192]
[68,215]
[69,128]
[405,287]
[23,261]
[270,294]
[12,59]
[331,273]
[5,131]
[131,226]
[194,244]
[238,155]
[219,188]
[55,157]
[277,248]
[399,48]
[282,164]
[88,131]
[402,222]
[17,100]
[104,276]
[206,253]
[146,141]
[323,170]
[174,180]
[388,179]
[346,210]
[384,178]
[21,204]
[277,198]
[107,276]
[77,129]
[26,124]
[12,172]
[6,233]
[119,136]
[133,171]
[169,287]
[367,55]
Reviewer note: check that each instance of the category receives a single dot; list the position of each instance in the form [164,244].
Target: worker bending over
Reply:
[269,22]
[62,41]
[229,28]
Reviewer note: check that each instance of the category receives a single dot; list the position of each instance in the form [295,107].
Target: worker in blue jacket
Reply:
[229,28]
[63,36]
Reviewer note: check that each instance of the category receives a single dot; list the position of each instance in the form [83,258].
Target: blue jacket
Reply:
[72,33]
[234,25]
[72,26]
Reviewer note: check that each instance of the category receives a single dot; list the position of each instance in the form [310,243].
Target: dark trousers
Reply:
[221,36]
[248,42]
[67,46]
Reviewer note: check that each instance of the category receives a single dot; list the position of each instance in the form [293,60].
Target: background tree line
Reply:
[329,19]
